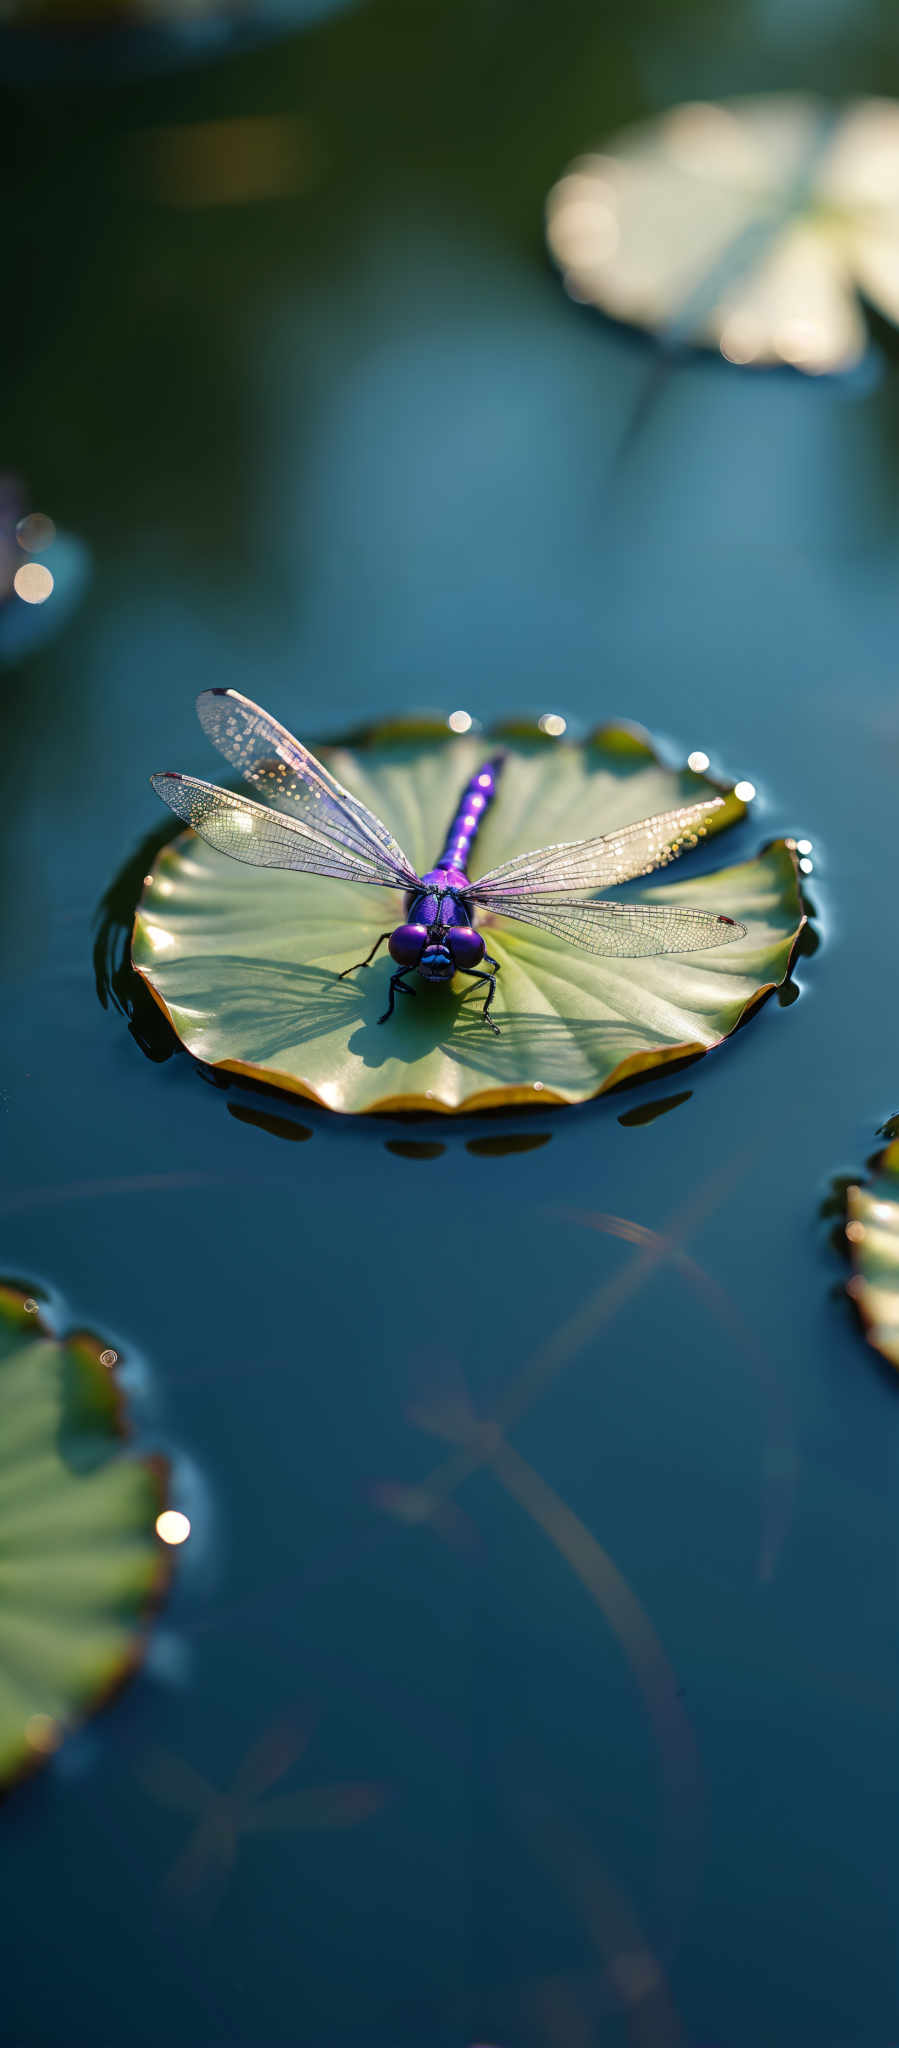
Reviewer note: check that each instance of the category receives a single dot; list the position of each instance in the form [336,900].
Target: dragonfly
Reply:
[309,823]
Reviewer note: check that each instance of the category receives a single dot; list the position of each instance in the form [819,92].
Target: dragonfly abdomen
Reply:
[471,811]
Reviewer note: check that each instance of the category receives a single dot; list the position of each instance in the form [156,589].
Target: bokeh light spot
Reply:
[35,532]
[172,1526]
[33,582]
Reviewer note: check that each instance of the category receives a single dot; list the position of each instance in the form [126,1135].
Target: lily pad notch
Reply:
[82,1568]
[246,962]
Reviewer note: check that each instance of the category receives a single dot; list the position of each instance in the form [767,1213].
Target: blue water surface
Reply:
[605,1752]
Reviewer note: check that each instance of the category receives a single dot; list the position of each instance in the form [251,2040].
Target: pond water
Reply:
[603,1748]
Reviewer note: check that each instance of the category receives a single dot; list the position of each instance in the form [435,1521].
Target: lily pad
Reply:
[80,1562]
[751,226]
[872,1235]
[245,962]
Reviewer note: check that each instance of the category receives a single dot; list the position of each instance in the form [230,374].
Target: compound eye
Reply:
[466,946]
[407,944]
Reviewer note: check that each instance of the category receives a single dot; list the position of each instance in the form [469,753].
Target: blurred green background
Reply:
[284,352]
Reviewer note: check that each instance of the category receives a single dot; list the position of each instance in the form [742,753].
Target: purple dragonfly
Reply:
[310,823]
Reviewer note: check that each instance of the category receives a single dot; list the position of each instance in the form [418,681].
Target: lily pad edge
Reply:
[34,1322]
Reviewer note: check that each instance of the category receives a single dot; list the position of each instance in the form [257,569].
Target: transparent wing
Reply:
[286,774]
[266,839]
[629,931]
[601,863]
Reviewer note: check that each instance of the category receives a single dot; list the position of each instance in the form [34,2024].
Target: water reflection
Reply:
[627,1976]
[266,1120]
[482,1443]
[116,983]
[414,1148]
[780,1462]
[646,1112]
[202,1870]
[507,1142]
[485,1441]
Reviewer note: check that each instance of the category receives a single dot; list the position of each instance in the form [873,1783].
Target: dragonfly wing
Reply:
[602,863]
[266,839]
[286,773]
[627,931]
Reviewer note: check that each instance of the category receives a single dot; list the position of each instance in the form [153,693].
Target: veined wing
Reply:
[601,863]
[286,773]
[628,931]
[266,839]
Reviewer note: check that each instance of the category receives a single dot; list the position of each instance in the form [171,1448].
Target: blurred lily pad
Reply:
[872,1235]
[80,1562]
[245,961]
[752,226]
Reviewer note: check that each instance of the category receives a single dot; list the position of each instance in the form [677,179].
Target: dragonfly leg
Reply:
[368,958]
[485,1013]
[396,984]
[488,962]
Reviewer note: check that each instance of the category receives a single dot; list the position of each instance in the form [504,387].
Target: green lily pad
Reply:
[752,226]
[245,961]
[872,1235]
[80,1562]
